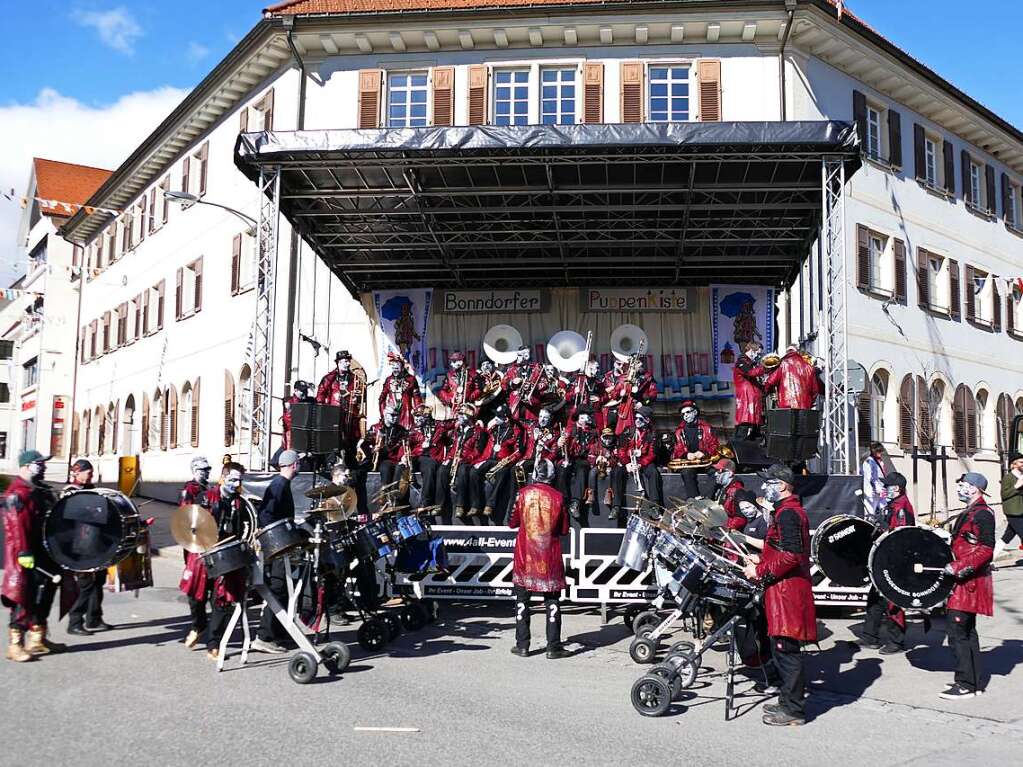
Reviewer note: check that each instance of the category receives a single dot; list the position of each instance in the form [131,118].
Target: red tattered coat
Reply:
[510,445]
[440,440]
[646,393]
[974,589]
[194,578]
[708,444]
[749,392]
[469,444]
[539,515]
[448,392]
[788,600]
[736,521]
[636,440]
[402,393]
[581,442]
[542,443]
[19,512]
[336,389]
[797,381]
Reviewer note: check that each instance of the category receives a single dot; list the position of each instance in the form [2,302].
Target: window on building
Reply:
[259,116]
[5,392]
[1004,413]
[6,350]
[931,153]
[188,296]
[1013,207]
[30,373]
[93,336]
[511,96]
[127,234]
[107,335]
[111,242]
[874,148]
[407,99]
[557,95]
[142,208]
[964,421]
[164,187]
[152,309]
[28,434]
[876,245]
[935,283]
[668,93]
[243,262]
[135,316]
[981,401]
[122,324]
[230,407]
[976,182]
[3,444]
[200,168]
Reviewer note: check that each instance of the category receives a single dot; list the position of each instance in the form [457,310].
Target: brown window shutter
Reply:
[1007,198]
[444,96]
[236,264]
[204,156]
[959,420]
[967,186]
[184,174]
[971,422]
[268,110]
[178,297]
[906,413]
[894,138]
[1010,313]
[160,292]
[864,431]
[145,424]
[992,201]
[709,72]
[172,414]
[152,210]
[924,423]
[146,328]
[923,289]
[862,257]
[950,167]
[139,309]
[860,117]
[164,186]
[971,296]
[955,309]
[228,418]
[477,94]
[996,306]
[919,158]
[369,97]
[593,92]
[197,302]
[243,119]
[99,250]
[899,254]
[632,91]
[81,345]
[195,414]
[142,220]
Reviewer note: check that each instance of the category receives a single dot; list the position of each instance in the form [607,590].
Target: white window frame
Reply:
[880,263]
[1012,215]
[532,111]
[875,124]
[931,161]
[983,309]
[247,265]
[1017,312]
[558,84]
[690,65]
[428,87]
[976,182]
[938,283]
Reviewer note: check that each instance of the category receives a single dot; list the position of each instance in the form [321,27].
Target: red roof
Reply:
[64,182]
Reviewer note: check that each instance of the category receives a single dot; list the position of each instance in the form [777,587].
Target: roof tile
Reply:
[66,182]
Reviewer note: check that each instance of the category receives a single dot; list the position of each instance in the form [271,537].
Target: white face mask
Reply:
[723,478]
[35,470]
[689,416]
[522,357]
[456,364]
[748,510]
[343,365]
[752,353]
[772,492]
[487,368]
[389,419]
[396,368]
[463,419]
[892,491]
[543,418]
[964,492]
[202,476]
[584,422]
[641,422]
[232,482]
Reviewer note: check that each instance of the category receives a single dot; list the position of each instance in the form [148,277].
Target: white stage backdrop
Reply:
[739,313]
[403,318]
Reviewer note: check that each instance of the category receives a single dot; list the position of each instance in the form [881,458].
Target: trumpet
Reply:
[377,447]
[461,389]
[456,460]
[503,463]
[634,471]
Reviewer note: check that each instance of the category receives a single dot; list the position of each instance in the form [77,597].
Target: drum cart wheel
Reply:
[645,619]
[373,634]
[393,623]
[667,672]
[413,616]
[631,612]
[336,657]
[686,667]
[643,650]
[685,646]
[302,668]
[651,695]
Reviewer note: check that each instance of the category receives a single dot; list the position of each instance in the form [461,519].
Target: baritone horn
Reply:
[770,361]
[567,351]
[627,340]
[501,344]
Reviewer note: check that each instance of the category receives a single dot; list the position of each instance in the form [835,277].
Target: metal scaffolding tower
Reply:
[263,324]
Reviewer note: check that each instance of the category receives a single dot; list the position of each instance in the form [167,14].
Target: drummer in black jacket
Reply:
[226,506]
[86,614]
[277,504]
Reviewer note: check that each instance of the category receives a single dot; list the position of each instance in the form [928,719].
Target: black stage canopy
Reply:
[577,205]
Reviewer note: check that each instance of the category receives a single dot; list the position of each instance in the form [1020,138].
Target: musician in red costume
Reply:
[428,444]
[586,395]
[520,373]
[636,457]
[749,392]
[694,441]
[726,486]
[784,569]
[299,394]
[27,590]
[468,441]
[973,545]
[575,446]
[400,392]
[538,566]
[542,441]
[461,383]
[603,462]
[383,447]
[796,381]
[633,388]
[503,450]
[880,612]
[195,583]
[345,388]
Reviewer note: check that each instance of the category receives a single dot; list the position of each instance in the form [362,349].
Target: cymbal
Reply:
[326,491]
[193,528]
[339,505]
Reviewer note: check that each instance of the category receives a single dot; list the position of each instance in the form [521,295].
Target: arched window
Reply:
[146,425]
[244,419]
[128,438]
[982,414]
[184,414]
[1005,411]
[101,431]
[964,421]
[230,408]
[170,421]
[194,415]
[934,404]
[111,426]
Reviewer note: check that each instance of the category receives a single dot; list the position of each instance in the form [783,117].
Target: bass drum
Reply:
[898,555]
[91,530]
[840,548]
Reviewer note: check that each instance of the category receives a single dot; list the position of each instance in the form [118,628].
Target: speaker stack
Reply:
[792,435]
[314,427]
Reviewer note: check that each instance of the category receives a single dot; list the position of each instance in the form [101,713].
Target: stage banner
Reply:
[739,313]
[403,316]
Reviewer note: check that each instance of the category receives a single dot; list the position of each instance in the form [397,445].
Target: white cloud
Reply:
[61,128]
[196,52]
[117,28]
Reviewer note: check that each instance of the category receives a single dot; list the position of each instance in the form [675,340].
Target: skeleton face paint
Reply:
[344,365]
[457,364]
[396,368]
[487,367]
[543,418]
[201,475]
[689,415]
[232,482]
[723,478]
[390,417]
[585,421]
[36,470]
[641,421]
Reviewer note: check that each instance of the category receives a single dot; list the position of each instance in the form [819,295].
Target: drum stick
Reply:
[51,576]
[919,568]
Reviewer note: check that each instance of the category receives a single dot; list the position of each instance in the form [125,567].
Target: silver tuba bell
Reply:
[501,344]
[627,340]
[567,351]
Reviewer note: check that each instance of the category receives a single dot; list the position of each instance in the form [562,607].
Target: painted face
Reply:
[689,415]
[543,418]
[550,371]
[390,417]
[487,367]
[607,441]
[639,364]
[772,490]
[748,510]
[457,364]
[965,491]
[201,475]
[421,419]
[585,421]
[892,491]
[522,355]
[464,419]
[619,366]
[642,421]
[396,367]
[1017,465]
[232,482]
[723,477]
[590,369]
[36,470]
[339,476]
[344,365]
[83,477]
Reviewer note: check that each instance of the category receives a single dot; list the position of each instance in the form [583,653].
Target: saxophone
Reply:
[377,447]
[503,463]
[355,397]
[456,460]
[461,389]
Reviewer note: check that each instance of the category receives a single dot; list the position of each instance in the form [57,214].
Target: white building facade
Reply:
[166,331]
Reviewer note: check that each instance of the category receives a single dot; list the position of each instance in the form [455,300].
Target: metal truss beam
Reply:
[261,406]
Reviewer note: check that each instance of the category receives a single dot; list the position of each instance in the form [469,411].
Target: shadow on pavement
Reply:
[996,661]
[825,673]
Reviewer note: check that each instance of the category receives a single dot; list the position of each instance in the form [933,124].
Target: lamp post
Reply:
[193,199]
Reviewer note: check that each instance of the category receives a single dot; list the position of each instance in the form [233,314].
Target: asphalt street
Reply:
[137,695]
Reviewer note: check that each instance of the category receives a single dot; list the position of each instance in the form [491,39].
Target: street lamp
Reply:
[193,199]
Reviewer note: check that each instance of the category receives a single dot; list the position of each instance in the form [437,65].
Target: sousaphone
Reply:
[501,344]
[627,340]
[567,351]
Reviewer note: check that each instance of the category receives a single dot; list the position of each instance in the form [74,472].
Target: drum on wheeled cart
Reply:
[91,529]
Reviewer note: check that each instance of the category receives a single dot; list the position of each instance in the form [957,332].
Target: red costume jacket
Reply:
[797,381]
[23,523]
[433,440]
[973,543]
[337,389]
[736,521]
[590,394]
[635,439]
[504,441]
[785,568]
[900,514]
[542,443]
[706,442]
[402,393]
[749,392]
[448,392]
[392,444]
[227,510]
[619,389]
[194,578]
[581,442]
[469,443]
[539,515]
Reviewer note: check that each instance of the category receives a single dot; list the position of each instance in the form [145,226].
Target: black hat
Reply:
[1014,456]
[81,465]
[894,478]
[646,411]
[745,495]
[344,354]
[779,471]
[501,411]
[303,385]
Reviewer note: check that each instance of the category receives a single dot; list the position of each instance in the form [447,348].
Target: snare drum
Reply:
[227,558]
[91,529]
[636,542]
[278,538]
[372,541]
[840,548]
[667,549]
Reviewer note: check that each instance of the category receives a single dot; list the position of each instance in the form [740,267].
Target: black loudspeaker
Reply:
[312,415]
[783,447]
[750,455]
[315,440]
[792,435]
[782,422]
